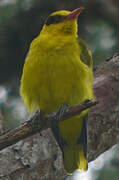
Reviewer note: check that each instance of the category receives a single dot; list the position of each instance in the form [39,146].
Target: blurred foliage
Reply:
[22,20]
[110,170]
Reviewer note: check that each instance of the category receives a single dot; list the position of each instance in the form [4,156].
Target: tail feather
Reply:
[74,154]
[74,158]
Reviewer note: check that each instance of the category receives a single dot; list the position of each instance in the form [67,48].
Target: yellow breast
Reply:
[54,75]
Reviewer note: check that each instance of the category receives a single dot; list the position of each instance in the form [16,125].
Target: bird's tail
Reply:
[74,158]
[75,154]
[74,151]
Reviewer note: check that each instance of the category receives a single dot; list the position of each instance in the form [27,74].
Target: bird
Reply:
[58,70]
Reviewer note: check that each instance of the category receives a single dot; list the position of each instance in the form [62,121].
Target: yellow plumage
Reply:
[57,71]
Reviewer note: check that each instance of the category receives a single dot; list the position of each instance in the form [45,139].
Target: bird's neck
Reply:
[57,41]
[64,31]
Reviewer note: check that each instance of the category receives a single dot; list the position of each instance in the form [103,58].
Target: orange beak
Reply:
[74,14]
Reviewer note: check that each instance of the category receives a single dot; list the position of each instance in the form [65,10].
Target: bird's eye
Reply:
[54,19]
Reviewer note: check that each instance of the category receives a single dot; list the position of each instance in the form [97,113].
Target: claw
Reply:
[61,112]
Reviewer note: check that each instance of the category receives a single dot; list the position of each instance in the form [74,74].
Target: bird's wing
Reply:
[85,54]
[60,141]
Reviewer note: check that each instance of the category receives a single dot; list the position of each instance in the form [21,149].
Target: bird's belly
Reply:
[56,82]
[64,83]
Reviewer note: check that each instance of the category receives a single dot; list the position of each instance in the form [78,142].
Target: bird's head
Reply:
[62,22]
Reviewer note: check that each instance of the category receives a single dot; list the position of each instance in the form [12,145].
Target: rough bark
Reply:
[38,123]
[104,117]
[39,157]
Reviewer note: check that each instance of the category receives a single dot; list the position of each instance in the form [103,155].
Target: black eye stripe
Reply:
[54,19]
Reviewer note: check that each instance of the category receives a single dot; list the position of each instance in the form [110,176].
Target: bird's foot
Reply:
[37,118]
[61,111]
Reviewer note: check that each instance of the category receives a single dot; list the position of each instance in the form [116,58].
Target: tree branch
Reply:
[38,123]
[103,124]
[39,157]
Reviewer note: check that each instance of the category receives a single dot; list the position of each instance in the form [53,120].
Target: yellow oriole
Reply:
[57,71]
